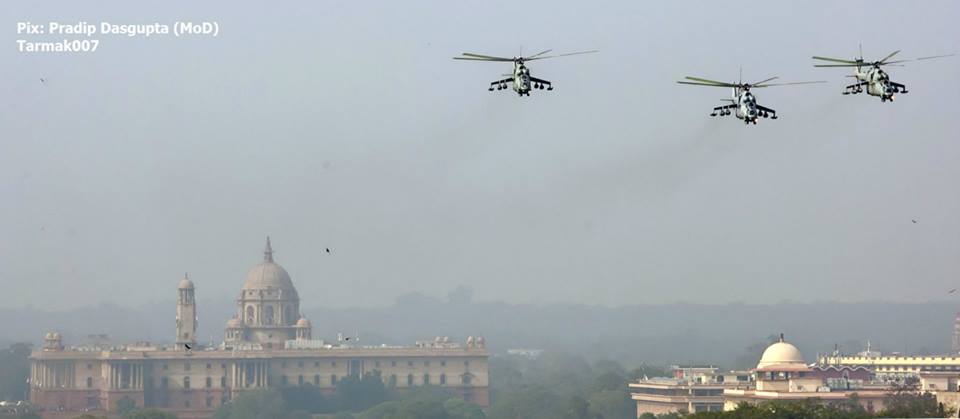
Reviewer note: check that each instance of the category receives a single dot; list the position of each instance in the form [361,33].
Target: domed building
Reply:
[268,306]
[782,374]
[267,344]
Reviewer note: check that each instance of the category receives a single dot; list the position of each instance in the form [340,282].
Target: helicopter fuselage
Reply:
[521,78]
[746,105]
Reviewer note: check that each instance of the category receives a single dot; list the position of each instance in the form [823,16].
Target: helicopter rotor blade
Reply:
[708,84]
[537,54]
[702,80]
[762,82]
[471,56]
[836,60]
[561,55]
[936,56]
[884,60]
[837,65]
[791,84]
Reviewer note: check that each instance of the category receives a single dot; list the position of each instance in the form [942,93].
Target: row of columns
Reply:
[250,374]
[125,375]
[50,374]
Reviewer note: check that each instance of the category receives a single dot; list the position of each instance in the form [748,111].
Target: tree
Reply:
[911,404]
[254,404]
[14,370]
[612,404]
[125,406]
[307,397]
[356,394]
[149,414]
[459,409]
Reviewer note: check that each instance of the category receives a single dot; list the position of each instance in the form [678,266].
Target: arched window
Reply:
[300,380]
[288,316]
[443,379]
[209,382]
[186,383]
[426,379]
[410,380]
[89,382]
[249,314]
[333,379]
[268,315]
[223,382]
[316,380]
[393,380]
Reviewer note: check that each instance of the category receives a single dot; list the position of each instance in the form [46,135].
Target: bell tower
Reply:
[186,313]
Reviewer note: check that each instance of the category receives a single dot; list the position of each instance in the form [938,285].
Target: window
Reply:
[393,380]
[316,380]
[316,364]
[89,382]
[186,403]
[186,366]
[409,363]
[283,380]
[300,380]
[223,382]
[89,366]
[299,364]
[283,364]
[164,367]
[186,383]
[268,315]
[209,401]
[426,363]
[393,363]
[249,314]
[443,379]
[223,366]
[333,363]
[426,379]
[410,380]
[465,378]
[443,363]
[333,379]
[208,365]
[209,382]
[376,364]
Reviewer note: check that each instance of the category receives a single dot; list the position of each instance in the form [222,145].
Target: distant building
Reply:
[690,389]
[267,344]
[528,353]
[893,367]
[956,334]
[782,375]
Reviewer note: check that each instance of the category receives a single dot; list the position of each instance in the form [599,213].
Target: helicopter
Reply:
[522,81]
[744,103]
[871,75]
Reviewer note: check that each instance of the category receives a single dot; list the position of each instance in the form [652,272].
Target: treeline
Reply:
[554,386]
[903,404]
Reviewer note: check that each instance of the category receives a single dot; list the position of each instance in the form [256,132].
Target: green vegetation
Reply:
[14,370]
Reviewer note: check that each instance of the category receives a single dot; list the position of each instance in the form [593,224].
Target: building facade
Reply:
[691,389]
[267,344]
[782,375]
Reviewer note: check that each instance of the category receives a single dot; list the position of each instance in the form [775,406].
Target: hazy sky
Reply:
[347,125]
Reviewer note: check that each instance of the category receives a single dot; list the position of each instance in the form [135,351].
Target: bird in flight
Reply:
[328,250]
[952,291]
[914,221]
[43,80]
[187,346]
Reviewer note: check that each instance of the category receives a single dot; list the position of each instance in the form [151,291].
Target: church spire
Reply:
[268,252]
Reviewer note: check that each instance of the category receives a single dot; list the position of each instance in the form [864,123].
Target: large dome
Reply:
[780,353]
[268,275]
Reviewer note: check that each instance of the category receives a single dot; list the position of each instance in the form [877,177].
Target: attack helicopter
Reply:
[743,103]
[871,75]
[523,82]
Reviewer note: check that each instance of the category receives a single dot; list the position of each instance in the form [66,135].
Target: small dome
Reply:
[234,323]
[185,283]
[303,322]
[780,353]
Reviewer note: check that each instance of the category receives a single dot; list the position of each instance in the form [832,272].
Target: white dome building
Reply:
[268,306]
